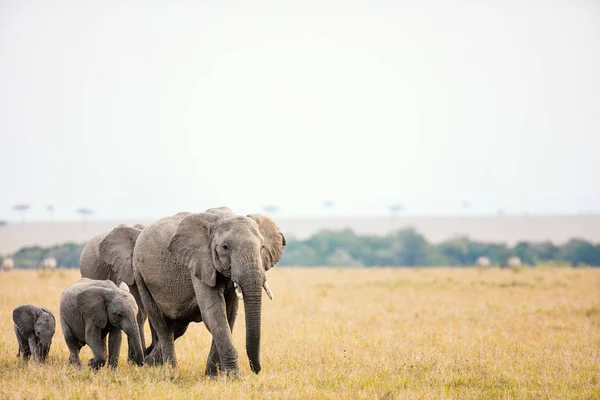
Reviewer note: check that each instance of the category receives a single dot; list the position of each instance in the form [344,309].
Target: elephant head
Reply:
[241,248]
[38,321]
[117,249]
[115,307]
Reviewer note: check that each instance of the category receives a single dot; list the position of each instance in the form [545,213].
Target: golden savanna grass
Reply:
[356,333]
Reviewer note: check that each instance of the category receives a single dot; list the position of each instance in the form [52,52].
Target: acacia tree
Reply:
[85,212]
[22,208]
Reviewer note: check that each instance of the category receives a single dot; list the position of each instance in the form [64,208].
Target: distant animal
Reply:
[483,262]
[187,267]
[34,327]
[91,309]
[47,264]
[512,262]
[108,255]
[7,264]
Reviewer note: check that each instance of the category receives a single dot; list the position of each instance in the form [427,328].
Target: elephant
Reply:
[101,259]
[511,262]
[483,262]
[34,327]
[92,309]
[48,263]
[187,267]
[7,264]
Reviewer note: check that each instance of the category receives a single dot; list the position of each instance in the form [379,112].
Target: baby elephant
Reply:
[34,327]
[92,309]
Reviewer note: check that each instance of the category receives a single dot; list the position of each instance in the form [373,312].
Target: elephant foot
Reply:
[232,374]
[212,371]
[96,363]
[74,361]
[153,359]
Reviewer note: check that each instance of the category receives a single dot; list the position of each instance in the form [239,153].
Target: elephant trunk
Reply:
[252,286]
[135,343]
[44,350]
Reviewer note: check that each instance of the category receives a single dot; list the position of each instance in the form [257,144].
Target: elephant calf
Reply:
[92,309]
[34,327]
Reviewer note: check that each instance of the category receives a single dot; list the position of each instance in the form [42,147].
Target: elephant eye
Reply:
[225,246]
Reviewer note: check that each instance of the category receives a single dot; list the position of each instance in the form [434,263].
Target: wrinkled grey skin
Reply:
[92,309]
[109,256]
[185,266]
[34,327]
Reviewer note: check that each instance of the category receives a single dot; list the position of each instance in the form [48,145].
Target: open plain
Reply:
[335,333]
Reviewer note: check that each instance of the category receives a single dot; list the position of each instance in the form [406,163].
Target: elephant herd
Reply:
[187,267]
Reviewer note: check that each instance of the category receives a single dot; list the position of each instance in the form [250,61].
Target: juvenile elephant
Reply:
[92,309]
[34,327]
[109,256]
[187,266]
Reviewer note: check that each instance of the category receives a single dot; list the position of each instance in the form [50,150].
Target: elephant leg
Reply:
[214,315]
[73,345]
[154,338]
[34,347]
[114,347]
[93,338]
[231,305]
[141,319]
[164,349]
[24,350]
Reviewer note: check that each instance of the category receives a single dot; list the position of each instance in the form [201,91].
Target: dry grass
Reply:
[357,333]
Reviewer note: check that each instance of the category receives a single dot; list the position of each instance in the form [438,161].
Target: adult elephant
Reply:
[187,267]
[108,256]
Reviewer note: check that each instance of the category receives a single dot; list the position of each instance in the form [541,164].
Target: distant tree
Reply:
[50,209]
[526,252]
[23,209]
[579,251]
[406,248]
[85,213]
[545,251]
[328,204]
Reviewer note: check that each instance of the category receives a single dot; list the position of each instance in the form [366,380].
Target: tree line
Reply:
[401,248]
[407,247]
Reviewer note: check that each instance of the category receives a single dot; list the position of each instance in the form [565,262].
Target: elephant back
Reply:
[90,263]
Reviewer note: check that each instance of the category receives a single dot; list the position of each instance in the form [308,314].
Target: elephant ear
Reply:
[190,246]
[116,249]
[92,304]
[274,239]
[24,317]
[48,312]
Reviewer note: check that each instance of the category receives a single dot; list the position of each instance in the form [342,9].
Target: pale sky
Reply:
[140,111]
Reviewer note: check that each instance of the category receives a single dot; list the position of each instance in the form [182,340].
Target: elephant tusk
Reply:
[238,291]
[268,290]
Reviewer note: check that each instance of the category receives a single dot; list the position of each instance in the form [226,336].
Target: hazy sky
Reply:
[142,111]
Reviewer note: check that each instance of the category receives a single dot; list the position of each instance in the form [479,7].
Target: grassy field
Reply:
[356,333]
